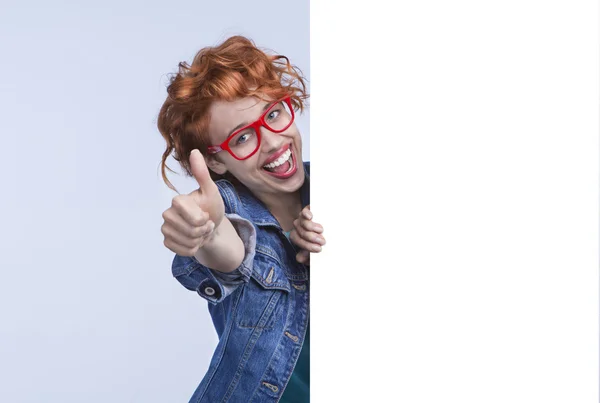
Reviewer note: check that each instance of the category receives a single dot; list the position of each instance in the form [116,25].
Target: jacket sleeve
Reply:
[213,285]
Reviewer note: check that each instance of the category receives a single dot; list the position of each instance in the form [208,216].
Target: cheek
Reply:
[243,169]
[294,136]
[297,136]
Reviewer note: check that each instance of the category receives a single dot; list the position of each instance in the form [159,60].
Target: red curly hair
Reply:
[234,69]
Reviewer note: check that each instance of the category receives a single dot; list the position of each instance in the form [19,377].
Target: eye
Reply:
[242,138]
[273,114]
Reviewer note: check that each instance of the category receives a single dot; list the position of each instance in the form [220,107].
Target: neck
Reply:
[284,207]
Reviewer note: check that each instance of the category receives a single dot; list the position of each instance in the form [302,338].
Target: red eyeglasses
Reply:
[245,142]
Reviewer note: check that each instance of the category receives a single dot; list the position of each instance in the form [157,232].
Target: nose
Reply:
[270,141]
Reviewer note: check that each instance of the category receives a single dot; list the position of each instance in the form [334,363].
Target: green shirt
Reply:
[298,388]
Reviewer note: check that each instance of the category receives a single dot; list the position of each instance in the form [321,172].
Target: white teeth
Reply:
[284,157]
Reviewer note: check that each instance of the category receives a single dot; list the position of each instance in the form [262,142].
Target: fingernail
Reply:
[317,248]
[319,239]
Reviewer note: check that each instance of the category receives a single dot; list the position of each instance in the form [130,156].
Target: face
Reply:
[257,172]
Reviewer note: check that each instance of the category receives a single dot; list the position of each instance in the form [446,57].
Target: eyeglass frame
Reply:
[256,125]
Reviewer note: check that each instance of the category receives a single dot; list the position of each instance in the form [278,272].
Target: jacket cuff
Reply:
[213,285]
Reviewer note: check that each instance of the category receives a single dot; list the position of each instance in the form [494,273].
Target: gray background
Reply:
[88,308]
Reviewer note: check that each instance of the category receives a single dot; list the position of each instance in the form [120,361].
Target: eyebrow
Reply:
[246,123]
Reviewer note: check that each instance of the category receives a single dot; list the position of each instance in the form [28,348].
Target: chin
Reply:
[295,182]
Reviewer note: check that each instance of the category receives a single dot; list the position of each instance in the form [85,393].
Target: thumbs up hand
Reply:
[207,196]
[191,220]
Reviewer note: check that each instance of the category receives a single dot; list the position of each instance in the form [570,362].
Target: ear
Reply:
[215,165]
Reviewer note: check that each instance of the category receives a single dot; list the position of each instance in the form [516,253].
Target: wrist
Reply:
[217,232]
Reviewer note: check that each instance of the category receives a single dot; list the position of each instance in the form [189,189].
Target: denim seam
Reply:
[288,319]
[229,195]
[267,252]
[269,325]
[226,335]
[305,311]
[251,343]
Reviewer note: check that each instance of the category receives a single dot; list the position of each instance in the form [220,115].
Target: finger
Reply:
[309,225]
[303,257]
[191,213]
[304,244]
[177,237]
[306,213]
[179,249]
[173,219]
[197,233]
[206,229]
[183,244]
[307,235]
[200,170]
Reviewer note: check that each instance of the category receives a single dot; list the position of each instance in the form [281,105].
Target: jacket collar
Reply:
[258,212]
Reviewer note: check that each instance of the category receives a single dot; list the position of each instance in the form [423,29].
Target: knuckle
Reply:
[205,230]
[301,243]
[198,219]
[177,201]
[197,232]
[168,216]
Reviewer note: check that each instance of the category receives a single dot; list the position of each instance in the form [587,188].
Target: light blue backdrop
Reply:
[88,308]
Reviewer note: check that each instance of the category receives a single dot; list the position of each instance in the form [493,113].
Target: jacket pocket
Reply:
[263,299]
[260,308]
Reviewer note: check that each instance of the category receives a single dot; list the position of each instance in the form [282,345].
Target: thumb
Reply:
[200,170]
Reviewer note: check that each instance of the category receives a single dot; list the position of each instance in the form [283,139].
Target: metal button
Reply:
[209,291]
[299,287]
[274,388]
[291,336]
[269,278]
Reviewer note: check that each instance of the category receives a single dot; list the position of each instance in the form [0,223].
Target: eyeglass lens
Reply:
[277,118]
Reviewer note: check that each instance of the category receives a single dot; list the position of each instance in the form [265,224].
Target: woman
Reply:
[242,239]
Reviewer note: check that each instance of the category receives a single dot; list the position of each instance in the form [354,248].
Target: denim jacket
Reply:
[260,310]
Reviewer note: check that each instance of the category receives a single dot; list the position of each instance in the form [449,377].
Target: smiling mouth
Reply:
[283,167]
[281,164]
